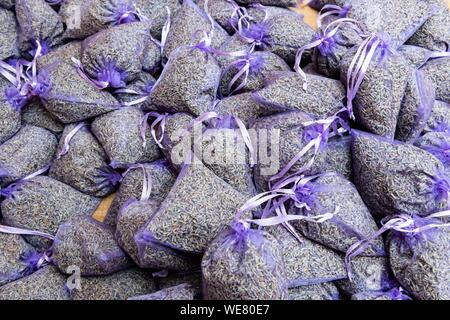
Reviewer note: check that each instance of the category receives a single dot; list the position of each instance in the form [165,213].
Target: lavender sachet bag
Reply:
[89,245]
[156,11]
[416,106]
[393,177]
[238,256]
[161,177]
[117,286]
[35,114]
[438,144]
[38,22]
[222,11]
[82,163]
[439,120]
[339,157]
[10,121]
[188,25]
[417,56]
[438,71]
[137,91]
[36,204]
[183,291]
[316,292]
[45,284]
[120,134]
[8,35]
[31,149]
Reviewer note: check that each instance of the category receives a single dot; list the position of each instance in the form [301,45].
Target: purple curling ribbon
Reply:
[147,181]
[35,260]
[160,120]
[401,223]
[144,93]
[165,30]
[25,232]
[332,10]
[68,138]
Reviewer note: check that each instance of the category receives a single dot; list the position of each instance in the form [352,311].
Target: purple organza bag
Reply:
[82,163]
[434,34]
[160,176]
[137,91]
[351,222]
[308,262]
[316,292]
[42,203]
[35,114]
[287,90]
[378,99]
[281,137]
[438,144]
[339,157]
[188,83]
[8,35]
[63,54]
[438,71]
[89,245]
[417,56]
[115,56]
[222,11]
[38,22]
[45,284]
[238,256]
[156,11]
[416,106]
[120,134]
[30,150]
[183,291]
[393,177]
[14,252]
[188,26]
[260,65]
[207,202]
[439,120]
[10,121]
[117,286]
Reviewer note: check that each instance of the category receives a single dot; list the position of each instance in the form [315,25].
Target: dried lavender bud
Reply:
[438,144]
[287,33]
[35,114]
[438,70]
[142,85]
[281,3]
[208,204]
[307,263]
[321,291]
[89,245]
[221,11]
[399,19]
[63,54]
[45,284]
[285,90]
[378,100]
[224,152]
[339,157]
[394,177]
[8,35]
[72,99]
[38,22]
[13,250]
[118,286]
[351,222]
[440,118]
[244,107]
[180,292]
[28,151]
[188,25]
[162,179]
[131,218]
[417,56]
[244,264]
[188,82]
[156,11]
[10,121]
[420,263]
[119,134]
[116,54]
[81,166]
[416,106]
[284,133]
[434,33]
[369,274]
[261,65]
[42,204]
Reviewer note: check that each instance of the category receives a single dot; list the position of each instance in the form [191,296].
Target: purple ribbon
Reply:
[332,10]
[165,30]
[147,181]
[160,120]
[9,191]
[400,223]
[25,232]
[68,138]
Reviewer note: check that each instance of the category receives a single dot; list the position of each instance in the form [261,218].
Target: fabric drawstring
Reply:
[400,223]
[160,120]
[68,138]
